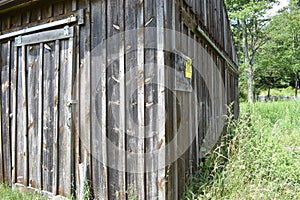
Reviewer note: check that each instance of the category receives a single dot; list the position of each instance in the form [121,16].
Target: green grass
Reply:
[6,193]
[289,91]
[258,158]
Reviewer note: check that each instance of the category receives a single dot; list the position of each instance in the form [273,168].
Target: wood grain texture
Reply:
[116,100]
[1,145]
[98,103]
[134,146]
[56,116]
[21,118]
[119,81]
[151,112]
[5,110]
[33,67]
[160,5]
[48,115]
[14,85]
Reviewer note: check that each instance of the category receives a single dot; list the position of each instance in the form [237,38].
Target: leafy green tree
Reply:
[278,59]
[248,22]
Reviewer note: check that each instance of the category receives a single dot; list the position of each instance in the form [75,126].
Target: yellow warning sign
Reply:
[188,68]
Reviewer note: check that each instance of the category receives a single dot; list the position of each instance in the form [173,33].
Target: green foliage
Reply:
[131,193]
[288,91]
[248,23]
[258,158]
[8,194]
[87,192]
[278,59]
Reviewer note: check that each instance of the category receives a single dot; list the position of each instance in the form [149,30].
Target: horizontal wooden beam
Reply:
[45,36]
[66,21]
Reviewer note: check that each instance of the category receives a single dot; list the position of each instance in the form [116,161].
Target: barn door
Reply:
[43,137]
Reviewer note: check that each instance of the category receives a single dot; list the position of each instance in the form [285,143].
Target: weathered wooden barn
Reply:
[115,96]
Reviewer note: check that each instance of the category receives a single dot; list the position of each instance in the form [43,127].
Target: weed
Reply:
[257,158]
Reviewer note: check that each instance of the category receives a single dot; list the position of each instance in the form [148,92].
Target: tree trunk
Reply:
[250,83]
[248,64]
[269,92]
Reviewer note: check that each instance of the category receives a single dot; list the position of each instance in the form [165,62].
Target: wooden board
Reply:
[151,112]
[48,115]
[34,150]
[5,111]
[134,121]
[21,119]
[116,100]
[65,135]
[98,101]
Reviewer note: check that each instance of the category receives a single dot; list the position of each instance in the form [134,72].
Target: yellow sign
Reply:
[188,68]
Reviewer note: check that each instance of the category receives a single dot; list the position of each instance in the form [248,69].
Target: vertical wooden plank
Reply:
[48,115]
[83,114]
[39,139]
[24,111]
[205,12]
[82,168]
[209,95]
[58,9]
[39,13]
[68,6]
[62,106]
[193,106]
[50,11]
[14,86]
[74,5]
[151,101]
[116,100]
[56,116]
[186,102]
[161,100]
[191,109]
[132,104]
[141,101]
[5,121]
[221,28]
[182,115]
[8,22]
[176,42]
[21,119]
[1,154]
[168,42]
[200,92]
[1,147]
[98,103]
[225,32]
[122,112]
[32,65]
[197,100]
[70,123]
[205,57]
[213,94]
[66,138]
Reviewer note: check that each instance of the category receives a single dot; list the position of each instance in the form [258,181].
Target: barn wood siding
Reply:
[34,95]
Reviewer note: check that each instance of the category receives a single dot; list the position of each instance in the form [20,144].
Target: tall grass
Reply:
[258,158]
[6,193]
